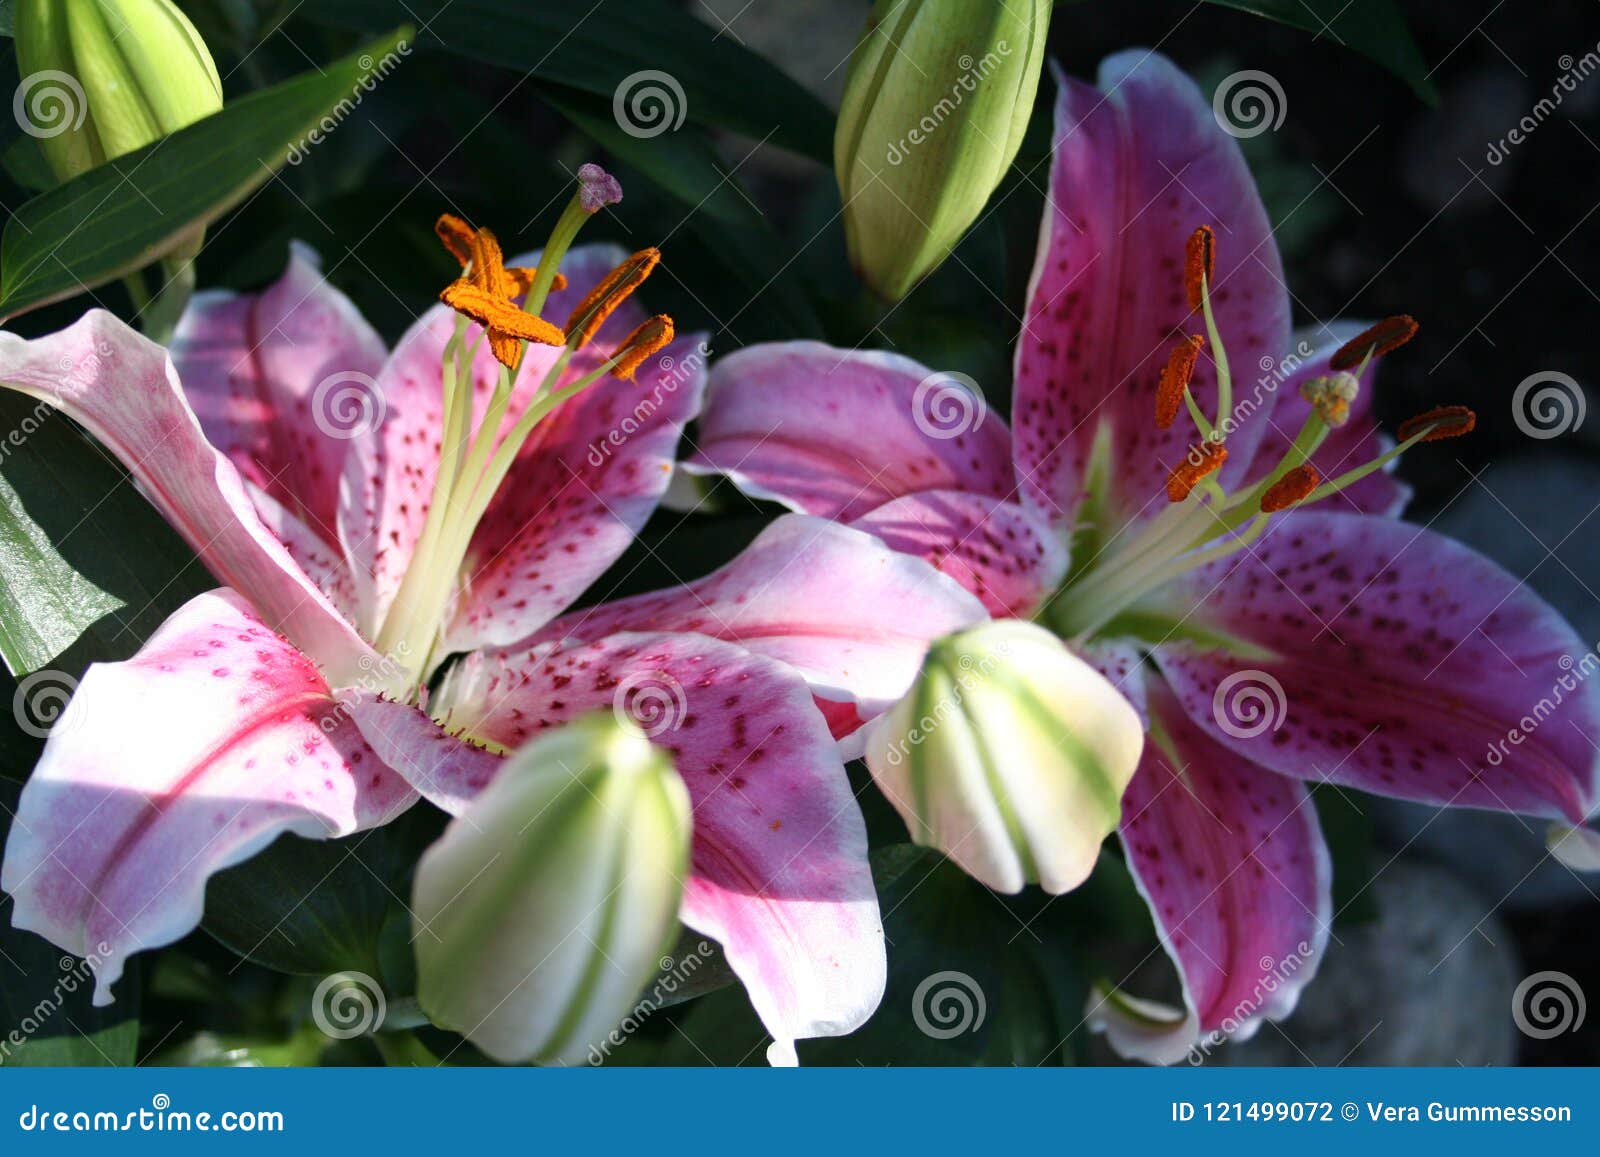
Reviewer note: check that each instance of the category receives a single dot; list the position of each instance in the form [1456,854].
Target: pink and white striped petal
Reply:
[217,737]
[836,432]
[851,615]
[123,388]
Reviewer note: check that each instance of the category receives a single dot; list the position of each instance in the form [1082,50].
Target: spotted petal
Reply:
[279,380]
[123,388]
[1393,660]
[1139,163]
[1000,551]
[779,866]
[1232,862]
[853,616]
[836,432]
[190,757]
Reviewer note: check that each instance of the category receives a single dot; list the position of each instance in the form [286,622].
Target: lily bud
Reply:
[104,78]
[937,101]
[1010,755]
[544,909]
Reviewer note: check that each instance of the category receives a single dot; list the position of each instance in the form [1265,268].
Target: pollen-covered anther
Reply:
[1290,490]
[653,335]
[1201,462]
[1199,263]
[1331,396]
[457,236]
[1438,423]
[616,287]
[1175,379]
[507,325]
[1387,336]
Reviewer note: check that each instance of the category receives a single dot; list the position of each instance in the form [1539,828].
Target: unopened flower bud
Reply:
[543,910]
[1010,755]
[104,78]
[937,101]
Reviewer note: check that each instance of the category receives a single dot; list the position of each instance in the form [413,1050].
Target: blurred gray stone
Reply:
[1429,982]
[1446,145]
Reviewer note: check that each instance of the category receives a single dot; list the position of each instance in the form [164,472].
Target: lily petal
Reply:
[1139,164]
[217,737]
[270,375]
[853,616]
[1401,663]
[1354,444]
[1231,859]
[1000,551]
[779,865]
[837,432]
[123,388]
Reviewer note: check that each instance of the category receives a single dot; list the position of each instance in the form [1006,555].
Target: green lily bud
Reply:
[1010,755]
[544,909]
[103,78]
[937,101]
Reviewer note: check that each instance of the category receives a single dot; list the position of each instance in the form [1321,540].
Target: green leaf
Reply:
[709,77]
[46,1014]
[88,568]
[125,213]
[1375,28]
[319,907]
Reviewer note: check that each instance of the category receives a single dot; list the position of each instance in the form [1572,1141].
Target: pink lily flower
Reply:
[301,460]
[1267,646]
